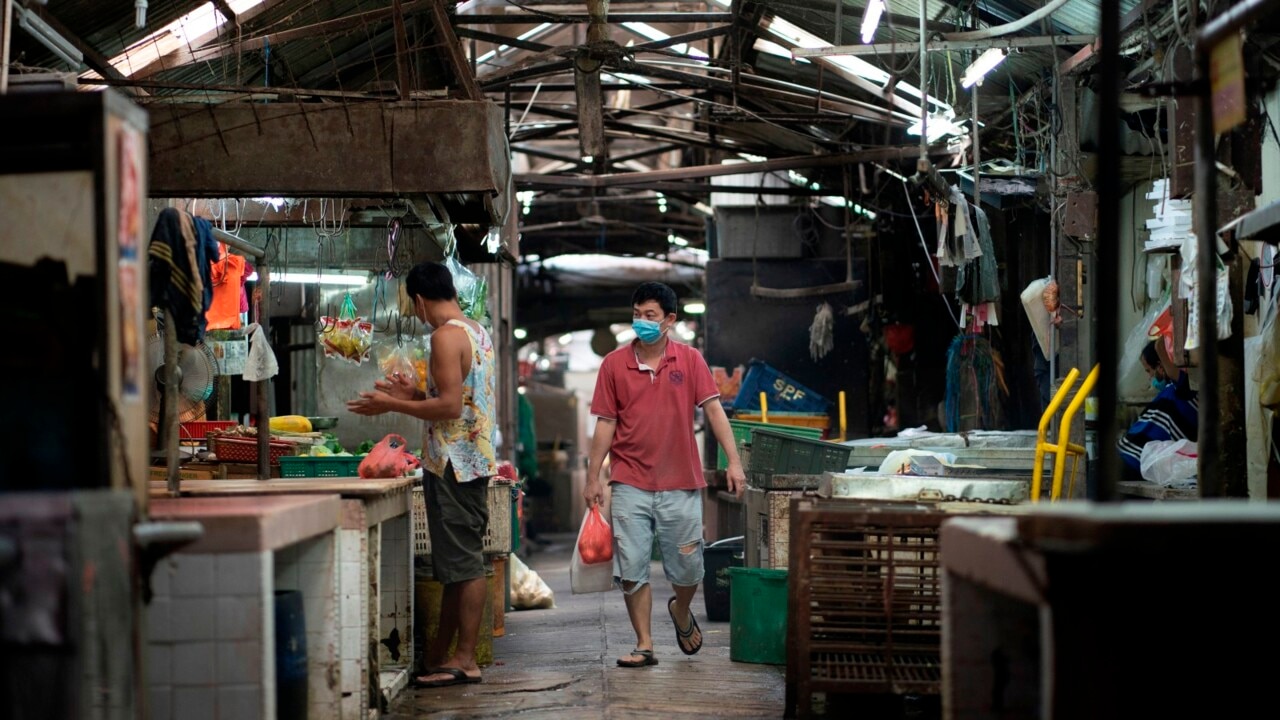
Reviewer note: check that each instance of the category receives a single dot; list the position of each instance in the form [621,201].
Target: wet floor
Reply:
[561,664]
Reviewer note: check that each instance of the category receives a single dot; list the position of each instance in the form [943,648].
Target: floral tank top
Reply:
[468,441]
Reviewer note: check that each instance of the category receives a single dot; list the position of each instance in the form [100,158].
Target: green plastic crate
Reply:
[742,433]
[301,467]
[775,453]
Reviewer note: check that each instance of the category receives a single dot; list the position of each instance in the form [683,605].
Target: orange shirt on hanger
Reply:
[224,311]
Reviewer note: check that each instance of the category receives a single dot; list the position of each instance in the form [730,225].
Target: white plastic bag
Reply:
[528,590]
[1170,462]
[261,363]
[584,578]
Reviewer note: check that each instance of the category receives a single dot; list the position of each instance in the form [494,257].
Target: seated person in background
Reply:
[1172,415]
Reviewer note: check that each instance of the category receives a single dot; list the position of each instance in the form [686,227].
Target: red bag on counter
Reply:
[595,540]
[388,459]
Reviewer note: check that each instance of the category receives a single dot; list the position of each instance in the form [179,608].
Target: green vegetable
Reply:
[365,447]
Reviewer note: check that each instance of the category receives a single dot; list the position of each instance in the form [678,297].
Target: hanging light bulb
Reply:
[985,63]
[871,20]
[140,13]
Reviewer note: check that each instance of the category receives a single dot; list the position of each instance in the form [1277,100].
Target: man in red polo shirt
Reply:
[645,399]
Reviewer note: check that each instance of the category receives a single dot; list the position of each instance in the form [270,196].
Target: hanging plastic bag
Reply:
[472,289]
[347,337]
[1132,377]
[388,459]
[597,576]
[1170,462]
[528,590]
[261,363]
[399,359]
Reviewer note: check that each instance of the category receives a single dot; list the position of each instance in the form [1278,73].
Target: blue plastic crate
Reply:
[784,393]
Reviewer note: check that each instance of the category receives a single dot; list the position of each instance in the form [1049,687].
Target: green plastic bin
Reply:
[742,430]
[775,453]
[758,615]
[322,466]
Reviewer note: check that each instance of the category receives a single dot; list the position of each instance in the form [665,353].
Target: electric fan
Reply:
[197,369]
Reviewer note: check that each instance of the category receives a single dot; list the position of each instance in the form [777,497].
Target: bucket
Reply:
[758,615]
[718,557]
[291,655]
[426,614]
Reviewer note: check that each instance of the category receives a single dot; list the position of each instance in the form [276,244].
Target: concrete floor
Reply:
[561,664]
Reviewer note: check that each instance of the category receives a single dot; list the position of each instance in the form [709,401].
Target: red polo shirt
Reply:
[653,444]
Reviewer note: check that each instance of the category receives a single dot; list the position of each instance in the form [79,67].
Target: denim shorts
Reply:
[673,516]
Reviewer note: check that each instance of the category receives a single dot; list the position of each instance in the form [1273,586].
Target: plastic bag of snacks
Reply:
[399,359]
[347,336]
[472,289]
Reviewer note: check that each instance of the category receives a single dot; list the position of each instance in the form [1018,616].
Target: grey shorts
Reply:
[674,517]
[457,518]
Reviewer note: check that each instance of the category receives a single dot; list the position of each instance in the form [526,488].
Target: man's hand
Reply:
[737,479]
[371,403]
[593,493]
[397,386]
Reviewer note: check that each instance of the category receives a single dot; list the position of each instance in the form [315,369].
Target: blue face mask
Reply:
[648,331]
[1159,384]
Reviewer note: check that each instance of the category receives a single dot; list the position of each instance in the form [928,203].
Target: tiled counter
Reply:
[211,622]
[373,619]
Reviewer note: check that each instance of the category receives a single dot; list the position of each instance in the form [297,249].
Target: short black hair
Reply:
[662,294]
[430,281]
[1150,355]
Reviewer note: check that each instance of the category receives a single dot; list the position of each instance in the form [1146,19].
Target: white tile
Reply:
[353,643]
[351,615]
[241,573]
[318,687]
[349,545]
[193,664]
[240,663]
[316,581]
[351,706]
[352,676]
[239,618]
[287,577]
[350,577]
[158,625]
[194,576]
[193,618]
[240,702]
[160,700]
[194,703]
[159,665]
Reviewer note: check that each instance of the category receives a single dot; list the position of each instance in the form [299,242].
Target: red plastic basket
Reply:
[245,450]
[199,429]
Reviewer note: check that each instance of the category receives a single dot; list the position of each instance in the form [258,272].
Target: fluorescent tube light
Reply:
[871,20]
[323,278]
[695,308]
[985,63]
[48,37]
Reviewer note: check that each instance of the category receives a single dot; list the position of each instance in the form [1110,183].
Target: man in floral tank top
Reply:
[458,410]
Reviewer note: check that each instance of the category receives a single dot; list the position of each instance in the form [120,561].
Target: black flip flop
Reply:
[459,677]
[648,660]
[684,634]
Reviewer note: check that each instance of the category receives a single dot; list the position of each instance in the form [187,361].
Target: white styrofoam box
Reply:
[193,664]
[158,619]
[239,618]
[239,662]
[192,703]
[194,576]
[160,700]
[193,618]
[244,701]
[159,665]
[242,573]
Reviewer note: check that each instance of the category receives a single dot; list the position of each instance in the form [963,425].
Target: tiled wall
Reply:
[208,628]
[309,567]
[353,607]
[396,592]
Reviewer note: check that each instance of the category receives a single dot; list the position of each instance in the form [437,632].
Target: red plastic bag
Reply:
[595,542]
[388,459]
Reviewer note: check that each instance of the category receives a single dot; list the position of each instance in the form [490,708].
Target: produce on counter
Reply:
[290,423]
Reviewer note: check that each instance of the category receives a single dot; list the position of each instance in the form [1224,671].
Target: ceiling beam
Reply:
[453,52]
[944,46]
[98,62]
[496,39]
[187,54]
[705,171]
[535,19]
[227,12]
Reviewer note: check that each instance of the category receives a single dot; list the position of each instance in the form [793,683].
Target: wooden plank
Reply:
[404,77]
